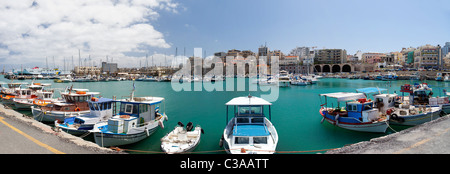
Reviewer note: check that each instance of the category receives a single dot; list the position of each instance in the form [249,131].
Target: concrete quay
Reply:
[24,135]
[429,138]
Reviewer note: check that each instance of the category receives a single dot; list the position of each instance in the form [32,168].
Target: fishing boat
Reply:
[182,139]
[8,94]
[399,112]
[249,131]
[405,114]
[21,100]
[138,118]
[389,76]
[100,110]
[27,97]
[357,115]
[74,103]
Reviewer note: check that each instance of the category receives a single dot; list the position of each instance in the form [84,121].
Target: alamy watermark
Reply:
[256,67]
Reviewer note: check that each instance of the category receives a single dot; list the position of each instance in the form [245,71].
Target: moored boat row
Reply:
[248,131]
[361,113]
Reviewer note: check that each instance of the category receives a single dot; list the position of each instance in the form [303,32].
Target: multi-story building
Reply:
[330,56]
[87,70]
[408,56]
[290,64]
[445,49]
[372,58]
[109,67]
[428,56]
[301,52]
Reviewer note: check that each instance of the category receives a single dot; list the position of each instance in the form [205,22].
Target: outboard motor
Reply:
[180,124]
[189,126]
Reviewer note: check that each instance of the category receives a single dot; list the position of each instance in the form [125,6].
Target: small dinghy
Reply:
[181,139]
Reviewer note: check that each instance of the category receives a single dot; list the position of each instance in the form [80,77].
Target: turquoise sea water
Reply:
[295,114]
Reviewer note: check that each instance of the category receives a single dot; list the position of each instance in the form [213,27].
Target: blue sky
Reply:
[379,26]
[127,30]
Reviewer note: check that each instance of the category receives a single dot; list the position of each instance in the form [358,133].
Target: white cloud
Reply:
[36,29]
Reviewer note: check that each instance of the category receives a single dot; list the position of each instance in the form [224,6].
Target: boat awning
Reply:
[371,90]
[247,101]
[344,96]
[250,130]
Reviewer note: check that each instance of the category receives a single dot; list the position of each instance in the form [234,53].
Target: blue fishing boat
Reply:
[358,113]
[138,118]
[100,110]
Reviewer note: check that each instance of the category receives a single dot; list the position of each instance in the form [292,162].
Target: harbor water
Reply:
[295,113]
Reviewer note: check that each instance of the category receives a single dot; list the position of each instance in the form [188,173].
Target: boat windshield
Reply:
[249,110]
[250,140]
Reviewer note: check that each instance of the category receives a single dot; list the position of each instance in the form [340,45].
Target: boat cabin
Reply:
[249,125]
[144,108]
[357,108]
[101,108]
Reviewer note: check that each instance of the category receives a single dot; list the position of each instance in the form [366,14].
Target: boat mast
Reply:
[132,92]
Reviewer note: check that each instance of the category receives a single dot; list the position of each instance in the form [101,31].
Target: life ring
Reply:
[398,119]
[77,109]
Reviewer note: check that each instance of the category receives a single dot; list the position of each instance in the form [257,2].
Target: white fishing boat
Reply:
[398,111]
[358,115]
[138,118]
[23,99]
[27,97]
[422,95]
[182,139]
[101,109]
[405,114]
[249,131]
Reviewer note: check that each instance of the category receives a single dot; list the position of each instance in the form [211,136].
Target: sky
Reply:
[127,30]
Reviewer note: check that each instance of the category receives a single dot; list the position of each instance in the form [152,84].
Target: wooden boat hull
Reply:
[51,116]
[111,139]
[376,126]
[412,120]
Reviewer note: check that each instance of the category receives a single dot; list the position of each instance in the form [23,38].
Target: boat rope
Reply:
[84,135]
[387,123]
[223,150]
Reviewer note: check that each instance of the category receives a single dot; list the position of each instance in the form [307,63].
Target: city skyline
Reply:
[127,31]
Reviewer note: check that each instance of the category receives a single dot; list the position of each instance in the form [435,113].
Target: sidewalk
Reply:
[23,135]
[429,138]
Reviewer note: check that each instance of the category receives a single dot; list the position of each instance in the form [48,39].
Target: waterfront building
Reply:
[291,64]
[331,56]
[446,60]
[428,56]
[408,56]
[222,56]
[87,70]
[445,49]
[398,58]
[372,58]
[109,68]
[301,52]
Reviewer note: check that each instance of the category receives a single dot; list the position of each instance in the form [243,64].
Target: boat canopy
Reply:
[248,101]
[371,90]
[345,96]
